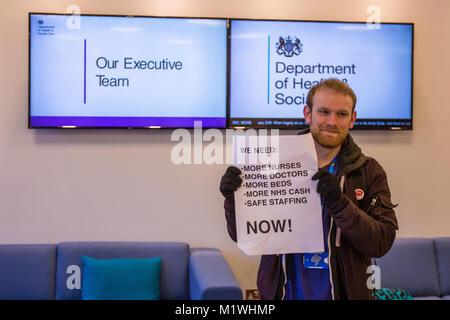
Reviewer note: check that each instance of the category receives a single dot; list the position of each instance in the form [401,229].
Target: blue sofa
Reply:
[53,271]
[419,265]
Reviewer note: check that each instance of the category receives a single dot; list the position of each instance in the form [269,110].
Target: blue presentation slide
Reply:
[127,71]
[275,63]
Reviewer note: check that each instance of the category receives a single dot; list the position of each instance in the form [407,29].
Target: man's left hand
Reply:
[328,187]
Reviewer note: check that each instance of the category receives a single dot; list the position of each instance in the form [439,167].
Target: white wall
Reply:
[120,185]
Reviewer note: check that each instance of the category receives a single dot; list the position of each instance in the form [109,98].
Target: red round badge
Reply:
[359,194]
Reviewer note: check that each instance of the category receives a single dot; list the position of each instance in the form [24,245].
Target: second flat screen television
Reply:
[273,64]
[115,71]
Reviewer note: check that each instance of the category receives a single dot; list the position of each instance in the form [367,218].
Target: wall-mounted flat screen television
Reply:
[97,71]
[273,64]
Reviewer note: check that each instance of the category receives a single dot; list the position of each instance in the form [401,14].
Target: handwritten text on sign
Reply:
[277,207]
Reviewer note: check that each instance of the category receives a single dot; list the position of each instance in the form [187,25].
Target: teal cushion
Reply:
[120,279]
[391,294]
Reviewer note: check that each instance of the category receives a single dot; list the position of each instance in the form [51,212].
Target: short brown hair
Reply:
[334,84]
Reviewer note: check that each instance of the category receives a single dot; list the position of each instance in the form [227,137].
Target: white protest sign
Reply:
[278,209]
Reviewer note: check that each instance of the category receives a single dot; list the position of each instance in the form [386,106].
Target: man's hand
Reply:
[328,187]
[230,181]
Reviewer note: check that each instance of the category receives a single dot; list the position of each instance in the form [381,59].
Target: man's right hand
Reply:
[230,181]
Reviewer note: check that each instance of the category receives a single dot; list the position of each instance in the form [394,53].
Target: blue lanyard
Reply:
[332,166]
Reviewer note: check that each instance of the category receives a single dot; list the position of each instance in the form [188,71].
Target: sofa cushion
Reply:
[410,265]
[174,256]
[120,279]
[442,247]
[27,271]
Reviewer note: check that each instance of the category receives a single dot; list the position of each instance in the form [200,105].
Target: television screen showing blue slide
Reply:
[273,64]
[127,72]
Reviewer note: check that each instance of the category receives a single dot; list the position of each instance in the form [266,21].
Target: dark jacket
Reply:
[367,229]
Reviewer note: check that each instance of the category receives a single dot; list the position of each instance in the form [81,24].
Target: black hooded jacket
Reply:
[360,229]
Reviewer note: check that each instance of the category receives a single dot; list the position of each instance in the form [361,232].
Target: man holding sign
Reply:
[357,213]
